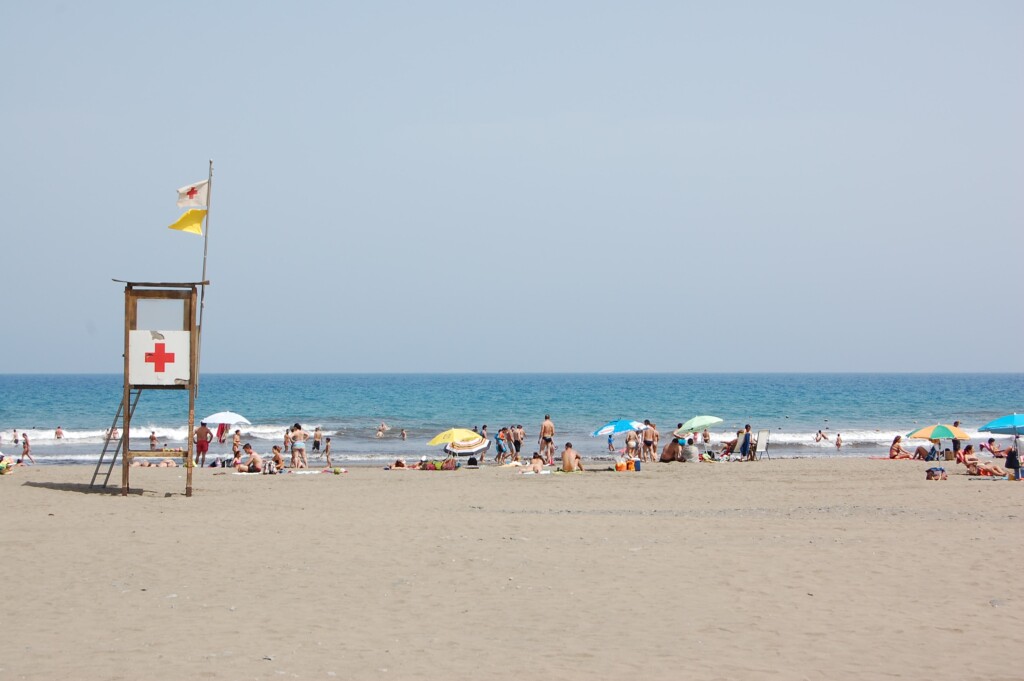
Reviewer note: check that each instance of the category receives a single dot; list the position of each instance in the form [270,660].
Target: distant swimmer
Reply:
[821,436]
[59,433]
[403,434]
[839,440]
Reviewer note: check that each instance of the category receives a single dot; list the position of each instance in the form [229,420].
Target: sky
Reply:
[520,187]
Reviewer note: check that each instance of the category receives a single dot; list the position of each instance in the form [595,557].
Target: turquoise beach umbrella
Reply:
[620,426]
[1011,424]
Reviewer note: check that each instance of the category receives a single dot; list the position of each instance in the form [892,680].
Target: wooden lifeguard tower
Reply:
[161,352]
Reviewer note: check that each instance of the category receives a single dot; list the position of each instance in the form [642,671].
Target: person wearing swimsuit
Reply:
[299,437]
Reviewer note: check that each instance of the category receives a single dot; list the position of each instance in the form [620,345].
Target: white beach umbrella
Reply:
[226,417]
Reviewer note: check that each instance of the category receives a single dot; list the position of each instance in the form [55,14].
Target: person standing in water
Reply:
[547,440]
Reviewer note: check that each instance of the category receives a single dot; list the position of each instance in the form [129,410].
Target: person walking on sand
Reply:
[202,437]
[26,449]
[546,439]
[327,452]
[236,442]
[318,435]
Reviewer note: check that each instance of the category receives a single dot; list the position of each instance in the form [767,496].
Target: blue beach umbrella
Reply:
[620,426]
[1011,424]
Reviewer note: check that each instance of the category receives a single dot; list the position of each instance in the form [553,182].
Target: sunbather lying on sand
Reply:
[536,464]
[166,463]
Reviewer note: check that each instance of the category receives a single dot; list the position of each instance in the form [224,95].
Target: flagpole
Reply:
[202,294]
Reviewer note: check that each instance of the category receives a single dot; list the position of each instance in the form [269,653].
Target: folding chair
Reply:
[762,444]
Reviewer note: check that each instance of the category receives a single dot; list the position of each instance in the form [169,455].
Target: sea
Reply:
[867,410]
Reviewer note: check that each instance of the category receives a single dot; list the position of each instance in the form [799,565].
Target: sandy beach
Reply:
[781,569]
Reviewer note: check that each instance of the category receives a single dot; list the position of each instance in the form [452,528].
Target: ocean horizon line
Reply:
[548,373]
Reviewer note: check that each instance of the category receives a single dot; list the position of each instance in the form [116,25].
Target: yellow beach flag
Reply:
[190,221]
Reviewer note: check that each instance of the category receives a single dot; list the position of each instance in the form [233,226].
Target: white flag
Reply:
[194,195]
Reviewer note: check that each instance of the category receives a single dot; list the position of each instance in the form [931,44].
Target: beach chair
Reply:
[762,444]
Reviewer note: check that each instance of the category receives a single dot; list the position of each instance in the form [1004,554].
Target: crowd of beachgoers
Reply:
[641,443]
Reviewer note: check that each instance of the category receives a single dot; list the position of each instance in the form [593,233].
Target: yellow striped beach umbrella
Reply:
[454,435]
[939,432]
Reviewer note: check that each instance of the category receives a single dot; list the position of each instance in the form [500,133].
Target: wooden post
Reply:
[193,359]
[129,316]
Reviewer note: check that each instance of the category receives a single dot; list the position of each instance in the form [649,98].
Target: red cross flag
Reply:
[194,195]
[158,357]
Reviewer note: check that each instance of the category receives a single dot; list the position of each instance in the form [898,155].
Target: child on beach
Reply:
[327,452]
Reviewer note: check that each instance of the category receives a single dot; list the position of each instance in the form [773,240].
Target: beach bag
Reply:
[1012,459]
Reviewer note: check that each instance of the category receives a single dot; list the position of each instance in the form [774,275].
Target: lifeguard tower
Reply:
[161,352]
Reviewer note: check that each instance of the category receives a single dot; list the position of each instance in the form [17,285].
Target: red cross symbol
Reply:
[191,193]
[160,358]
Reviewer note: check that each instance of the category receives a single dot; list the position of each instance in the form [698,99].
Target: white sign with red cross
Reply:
[158,357]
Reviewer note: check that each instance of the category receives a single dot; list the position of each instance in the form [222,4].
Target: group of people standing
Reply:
[294,442]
